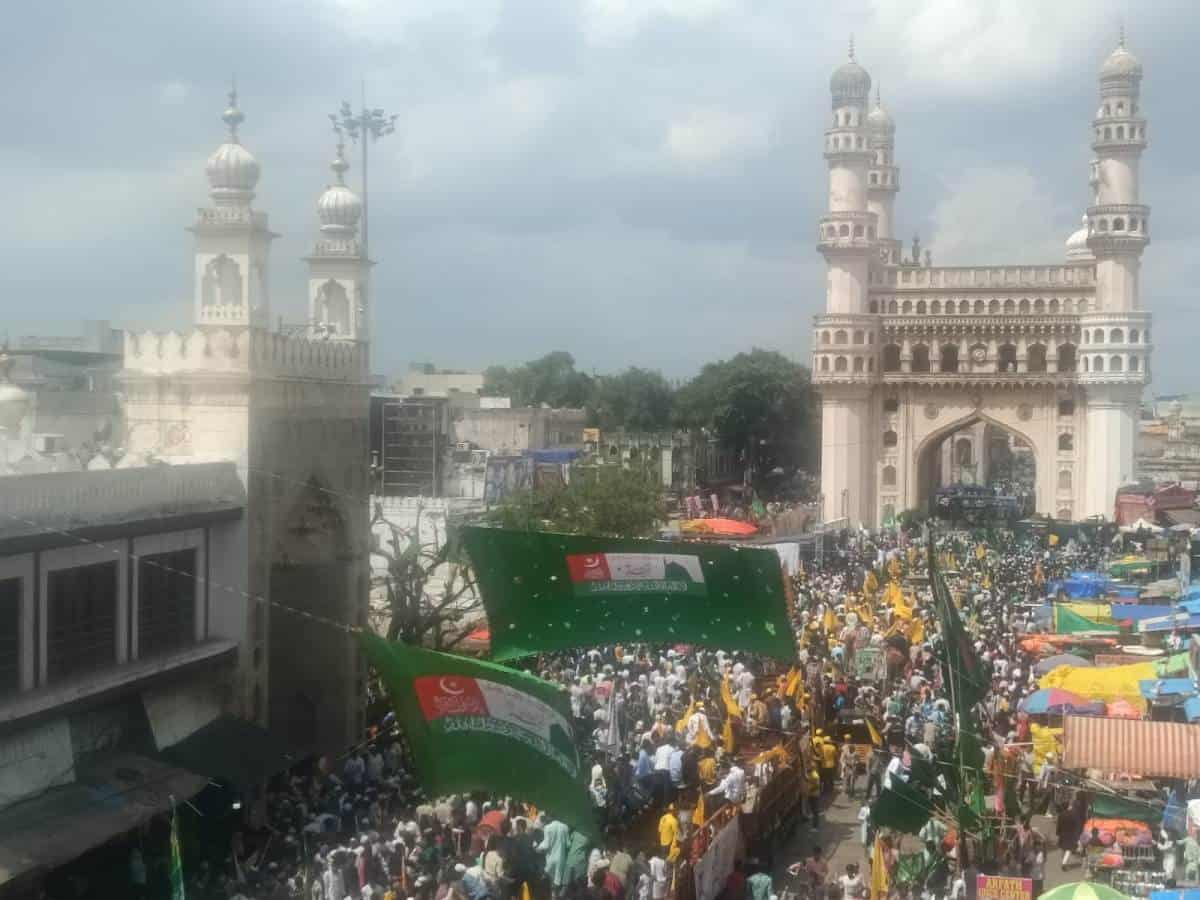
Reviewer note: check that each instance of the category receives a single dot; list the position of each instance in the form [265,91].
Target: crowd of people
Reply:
[671,735]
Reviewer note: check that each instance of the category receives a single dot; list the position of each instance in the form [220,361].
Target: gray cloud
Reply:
[636,182]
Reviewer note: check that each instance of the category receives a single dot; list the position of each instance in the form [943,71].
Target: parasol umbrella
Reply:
[722,527]
[1062,659]
[1122,709]
[1083,890]
[1053,700]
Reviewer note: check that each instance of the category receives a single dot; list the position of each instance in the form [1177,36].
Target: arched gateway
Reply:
[982,375]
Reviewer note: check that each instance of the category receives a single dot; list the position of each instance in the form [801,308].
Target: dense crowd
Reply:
[672,734]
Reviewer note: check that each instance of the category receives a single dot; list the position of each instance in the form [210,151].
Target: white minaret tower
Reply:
[1115,334]
[844,355]
[883,180]
[233,241]
[337,269]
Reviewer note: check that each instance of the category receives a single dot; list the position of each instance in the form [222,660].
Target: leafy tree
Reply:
[606,500]
[760,403]
[410,612]
[636,400]
[552,380]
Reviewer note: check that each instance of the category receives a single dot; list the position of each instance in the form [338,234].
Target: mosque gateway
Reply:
[1026,378]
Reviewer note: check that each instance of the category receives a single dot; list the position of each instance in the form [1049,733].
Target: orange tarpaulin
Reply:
[724,527]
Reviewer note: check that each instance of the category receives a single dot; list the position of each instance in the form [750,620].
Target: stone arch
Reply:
[949,361]
[928,447]
[333,307]
[891,358]
[1066,358]
[1006,357]
[920,358]
[890,438]
[1066,443]
[840,337]
[1064,479]
[839,364]
[1035,358]
[888,478]
[221,284]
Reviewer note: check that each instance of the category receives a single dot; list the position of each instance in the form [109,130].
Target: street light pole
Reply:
[363,127]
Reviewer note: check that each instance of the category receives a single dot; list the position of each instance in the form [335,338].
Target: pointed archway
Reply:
[975,452]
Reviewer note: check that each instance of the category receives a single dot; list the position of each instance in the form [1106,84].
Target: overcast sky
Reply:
[635,181]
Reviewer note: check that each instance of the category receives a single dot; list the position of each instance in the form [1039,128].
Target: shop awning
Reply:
[1150,749]
[232,750]
[107,799]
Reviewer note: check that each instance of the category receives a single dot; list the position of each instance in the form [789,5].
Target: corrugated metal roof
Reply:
[1153,749]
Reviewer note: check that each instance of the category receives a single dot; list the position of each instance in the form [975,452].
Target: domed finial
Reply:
[878,100]
[339,165]
[232,117]
[852,47]
[1121,40]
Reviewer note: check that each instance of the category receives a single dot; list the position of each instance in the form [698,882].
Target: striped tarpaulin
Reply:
[1130,746]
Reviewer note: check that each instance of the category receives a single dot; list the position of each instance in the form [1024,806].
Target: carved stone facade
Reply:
[292,412]
[908,354]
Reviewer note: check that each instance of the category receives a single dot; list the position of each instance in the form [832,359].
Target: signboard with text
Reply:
[1003,887]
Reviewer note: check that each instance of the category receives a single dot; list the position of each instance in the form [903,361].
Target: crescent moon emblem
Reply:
[591,562]
[449,685]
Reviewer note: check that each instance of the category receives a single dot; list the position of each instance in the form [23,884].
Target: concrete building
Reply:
[190,594]
[1168,445]
[121,616]
[291,412]
[422,380]
[907,355]
[71,412]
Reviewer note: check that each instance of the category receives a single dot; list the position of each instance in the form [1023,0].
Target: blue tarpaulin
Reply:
[1153,688]
[1191,620]
[1122,612]
[554,456]
[1191,708]
[1189,894]
[1191,606]
[1080,585]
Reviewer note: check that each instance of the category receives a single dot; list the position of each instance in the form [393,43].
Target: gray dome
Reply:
[850,84]
[1121,64]
[878,120]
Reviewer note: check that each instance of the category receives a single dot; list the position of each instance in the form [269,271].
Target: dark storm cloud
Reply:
[636,182]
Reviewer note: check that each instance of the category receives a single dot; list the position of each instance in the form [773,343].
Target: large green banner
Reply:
[477,726]
[557,591]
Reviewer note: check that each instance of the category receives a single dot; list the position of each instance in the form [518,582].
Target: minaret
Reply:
[844,354]
[337,270]
[883,180]
[1115,346]
[233,241]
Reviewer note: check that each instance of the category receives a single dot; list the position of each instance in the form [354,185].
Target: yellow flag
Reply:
[870,583]
[1054,540]
[698,816]
[987,581]
[894,567]
[731,705]
[980,552]
[727,735]
[830,621]
[879,873]
[681,725]
[916,633]
[526,894]
[793,682]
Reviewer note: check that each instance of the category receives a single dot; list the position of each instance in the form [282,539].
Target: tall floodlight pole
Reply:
[363,127]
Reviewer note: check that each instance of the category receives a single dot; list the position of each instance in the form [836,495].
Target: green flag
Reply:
[548,592]
[1067,621]
[478,726]
[961,666]
[901,807]
[176,865]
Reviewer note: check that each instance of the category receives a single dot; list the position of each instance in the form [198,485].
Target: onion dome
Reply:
[1077,245]
[232,170]
[1121,65]
[850,84]
[338,207]
[878,120]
